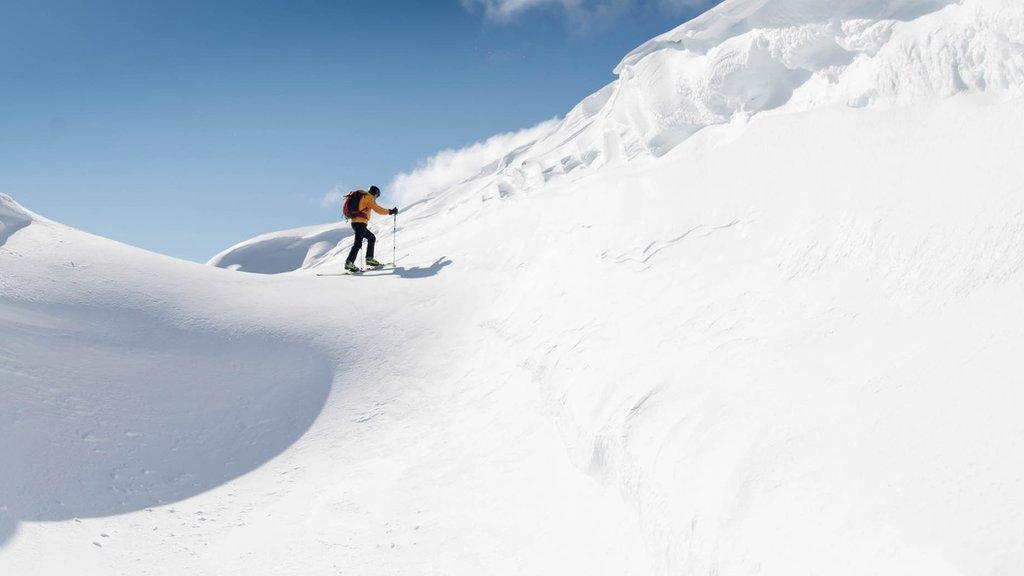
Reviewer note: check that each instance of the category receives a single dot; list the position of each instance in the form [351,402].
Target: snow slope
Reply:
[162,417]
[747,57]
[752,309]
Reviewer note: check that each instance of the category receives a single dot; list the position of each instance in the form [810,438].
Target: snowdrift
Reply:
[12,217]
[164,417]
[796,352]
[286,251]
[750,56]
[753,308]
[117,393]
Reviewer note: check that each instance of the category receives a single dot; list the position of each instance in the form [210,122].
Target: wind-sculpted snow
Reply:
[796,351]
[12,218]
[738,17]
[114,399]
[286,251]
[744,58]
[747,58]
[162,417]
[106,411]
[753,309]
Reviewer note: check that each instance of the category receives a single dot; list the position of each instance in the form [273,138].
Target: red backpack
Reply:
[350,207]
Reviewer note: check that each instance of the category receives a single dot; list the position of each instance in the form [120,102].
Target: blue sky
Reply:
[186,126]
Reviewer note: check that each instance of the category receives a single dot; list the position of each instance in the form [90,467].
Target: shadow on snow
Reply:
[105,413]
[420,271]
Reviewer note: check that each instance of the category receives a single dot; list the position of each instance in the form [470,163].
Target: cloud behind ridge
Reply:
[453,166]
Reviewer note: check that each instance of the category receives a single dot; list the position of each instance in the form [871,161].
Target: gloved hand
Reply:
[393,211]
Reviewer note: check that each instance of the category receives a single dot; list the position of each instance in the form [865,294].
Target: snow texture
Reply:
[753,308]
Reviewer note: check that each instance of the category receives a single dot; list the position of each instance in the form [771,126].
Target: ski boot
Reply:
[373,263]
[352,268]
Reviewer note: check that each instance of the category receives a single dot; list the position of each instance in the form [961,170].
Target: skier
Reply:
[357,207]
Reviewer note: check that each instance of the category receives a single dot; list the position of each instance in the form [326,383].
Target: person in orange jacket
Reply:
[360,218]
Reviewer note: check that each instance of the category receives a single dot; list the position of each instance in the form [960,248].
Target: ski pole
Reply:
[394,238]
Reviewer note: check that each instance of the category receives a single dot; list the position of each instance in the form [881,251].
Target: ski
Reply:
[360,272]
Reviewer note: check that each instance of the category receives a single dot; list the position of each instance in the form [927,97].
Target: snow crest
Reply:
[285,251]
[744,58]
[797,353]
[12,218]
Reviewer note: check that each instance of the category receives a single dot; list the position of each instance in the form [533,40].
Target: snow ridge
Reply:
[12,217]
[285,251]
[745,58]
[738,61]
[798,353]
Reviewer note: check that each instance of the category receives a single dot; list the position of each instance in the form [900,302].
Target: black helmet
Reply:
[374,191]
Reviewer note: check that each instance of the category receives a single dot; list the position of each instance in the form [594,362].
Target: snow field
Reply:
[167,417]
[753,308]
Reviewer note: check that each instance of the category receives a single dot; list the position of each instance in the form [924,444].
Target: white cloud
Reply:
[333,197]
[688,5]
[584,12]
[450,167]
[581,15]
[505,9]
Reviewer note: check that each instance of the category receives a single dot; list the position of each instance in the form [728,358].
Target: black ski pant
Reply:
[361,232]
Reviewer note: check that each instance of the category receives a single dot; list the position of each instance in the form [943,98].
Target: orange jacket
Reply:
[366,204]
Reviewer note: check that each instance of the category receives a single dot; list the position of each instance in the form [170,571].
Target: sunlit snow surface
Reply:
[755,308]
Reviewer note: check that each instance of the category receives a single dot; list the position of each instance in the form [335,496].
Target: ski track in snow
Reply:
[656,246]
